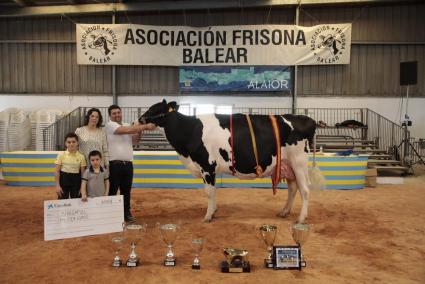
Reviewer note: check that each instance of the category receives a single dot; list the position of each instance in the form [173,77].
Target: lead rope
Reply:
[276,131]
[258,169]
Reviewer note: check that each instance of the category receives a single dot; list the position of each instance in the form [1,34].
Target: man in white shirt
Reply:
[121,137]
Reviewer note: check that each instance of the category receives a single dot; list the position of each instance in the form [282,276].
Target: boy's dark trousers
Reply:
[70,184]
[121,176]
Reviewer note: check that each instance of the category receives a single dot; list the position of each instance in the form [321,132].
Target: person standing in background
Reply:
[92,137]
[121,137]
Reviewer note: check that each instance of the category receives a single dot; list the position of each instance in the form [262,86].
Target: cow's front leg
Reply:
[209,187]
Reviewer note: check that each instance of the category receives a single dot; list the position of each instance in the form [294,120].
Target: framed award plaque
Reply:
[287,257]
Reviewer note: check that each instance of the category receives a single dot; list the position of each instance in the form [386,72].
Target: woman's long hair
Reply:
[89,112]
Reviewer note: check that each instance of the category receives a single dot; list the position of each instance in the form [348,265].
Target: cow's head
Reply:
[100,42]
[329,42]
[156,113]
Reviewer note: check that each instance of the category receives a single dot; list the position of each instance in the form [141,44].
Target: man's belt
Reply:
[120,162]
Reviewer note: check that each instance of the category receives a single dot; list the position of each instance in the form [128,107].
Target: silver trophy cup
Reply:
[169,234]
[117,243]
[197,245]
[300,234]
[134,233]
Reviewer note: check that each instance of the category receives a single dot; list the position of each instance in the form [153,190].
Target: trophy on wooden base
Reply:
[117,241]
[134,233]
[268,234]
[197,244]
[236,260]
[300,234]
[290,257]
[168,234]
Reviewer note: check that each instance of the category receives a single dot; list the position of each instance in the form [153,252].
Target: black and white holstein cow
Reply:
[211,144]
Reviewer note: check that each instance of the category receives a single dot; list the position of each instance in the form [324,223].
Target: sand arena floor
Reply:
[375,235]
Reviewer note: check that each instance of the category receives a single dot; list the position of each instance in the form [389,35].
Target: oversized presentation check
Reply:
[68,218]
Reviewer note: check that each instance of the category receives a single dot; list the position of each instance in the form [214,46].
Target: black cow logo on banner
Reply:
[99,44]
[328,44]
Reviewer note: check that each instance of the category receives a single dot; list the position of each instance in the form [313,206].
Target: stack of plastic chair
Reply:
[33,119]
[41,119]
[19,130]
[4,125]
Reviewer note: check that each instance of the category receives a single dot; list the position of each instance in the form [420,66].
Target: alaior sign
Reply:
[126,44]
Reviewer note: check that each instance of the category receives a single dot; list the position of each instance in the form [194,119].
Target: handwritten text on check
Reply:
[68,218]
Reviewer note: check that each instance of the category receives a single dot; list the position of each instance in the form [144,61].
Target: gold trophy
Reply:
[236,260]
[197,244]
[134,234]
[168,234]
[267,233]
[300,234]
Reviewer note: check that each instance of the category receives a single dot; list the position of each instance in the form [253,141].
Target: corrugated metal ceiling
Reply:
[28,8]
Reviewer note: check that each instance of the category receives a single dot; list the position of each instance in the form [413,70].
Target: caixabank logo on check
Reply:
[58,205]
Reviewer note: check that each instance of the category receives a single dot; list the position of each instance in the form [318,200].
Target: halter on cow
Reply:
[204,144]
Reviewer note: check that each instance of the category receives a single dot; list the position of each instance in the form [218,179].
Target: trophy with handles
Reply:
[134,233]
[267,232]
[117,242]
[168,234]
[197,244]
[300,233]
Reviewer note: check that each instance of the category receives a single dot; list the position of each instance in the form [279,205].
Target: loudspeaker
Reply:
[408,73]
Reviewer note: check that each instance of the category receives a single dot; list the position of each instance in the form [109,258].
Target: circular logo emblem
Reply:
[99,44]
[328,44]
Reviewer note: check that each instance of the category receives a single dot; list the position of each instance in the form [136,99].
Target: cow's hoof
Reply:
[215,211]
[282,214]
[301,221]
[206,220]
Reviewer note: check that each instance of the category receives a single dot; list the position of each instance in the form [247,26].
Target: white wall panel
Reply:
[391,108]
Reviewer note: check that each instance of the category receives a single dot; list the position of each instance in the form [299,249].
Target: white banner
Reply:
[68,218]
[127,44]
